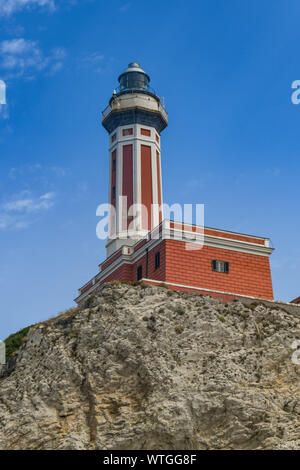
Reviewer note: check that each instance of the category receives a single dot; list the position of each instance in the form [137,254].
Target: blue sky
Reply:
[225,69]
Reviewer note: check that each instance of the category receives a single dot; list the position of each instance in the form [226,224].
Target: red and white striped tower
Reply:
[222,264]
[134,120]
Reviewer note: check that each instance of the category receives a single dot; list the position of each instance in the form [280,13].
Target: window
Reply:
[157,260]
[220,266]
[114,164]
[113,137]
[146,132]
[127,131]
[139,273]
[157,138]
[113,192]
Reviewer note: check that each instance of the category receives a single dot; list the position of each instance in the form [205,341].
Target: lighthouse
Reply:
[134,120]
[142,245]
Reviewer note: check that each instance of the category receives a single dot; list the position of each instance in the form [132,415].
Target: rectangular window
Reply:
[146,132]
[157,260]
[113,137]
[127,132]
[220,266]
[113,194]
[114,164]
[139,273]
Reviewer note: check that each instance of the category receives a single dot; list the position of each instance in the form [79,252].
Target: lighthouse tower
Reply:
[144,246]
[134,120]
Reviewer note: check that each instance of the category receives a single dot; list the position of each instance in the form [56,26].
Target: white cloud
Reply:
[16,46]
[23,57]
[125,7]
[8,222]
[93,60]
[24,203]
[4,114]
[8,7]
[47,197]
[36,172]
[59,171]
[16,213]
[20,55]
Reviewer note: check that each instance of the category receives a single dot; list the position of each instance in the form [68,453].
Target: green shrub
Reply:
[15,341]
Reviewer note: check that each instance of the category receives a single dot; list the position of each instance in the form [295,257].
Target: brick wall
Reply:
[218,233]
[248,275]
[111,259]
[123,273]
[156,274]
[128,272]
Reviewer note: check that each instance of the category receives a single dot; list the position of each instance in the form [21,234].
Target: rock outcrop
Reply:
[140,367]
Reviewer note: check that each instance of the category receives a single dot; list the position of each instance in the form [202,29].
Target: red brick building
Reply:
[296,301]
[142,245]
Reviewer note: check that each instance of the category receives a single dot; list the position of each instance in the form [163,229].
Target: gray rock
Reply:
[133,370]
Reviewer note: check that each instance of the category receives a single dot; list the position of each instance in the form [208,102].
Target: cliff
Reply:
[140,367]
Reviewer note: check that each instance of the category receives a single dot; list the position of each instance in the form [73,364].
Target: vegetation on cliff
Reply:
[14,341]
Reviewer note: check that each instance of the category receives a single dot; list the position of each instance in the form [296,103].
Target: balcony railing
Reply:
[109,108]
[106,112]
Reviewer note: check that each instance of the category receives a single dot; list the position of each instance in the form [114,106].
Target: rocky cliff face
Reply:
[148,368]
